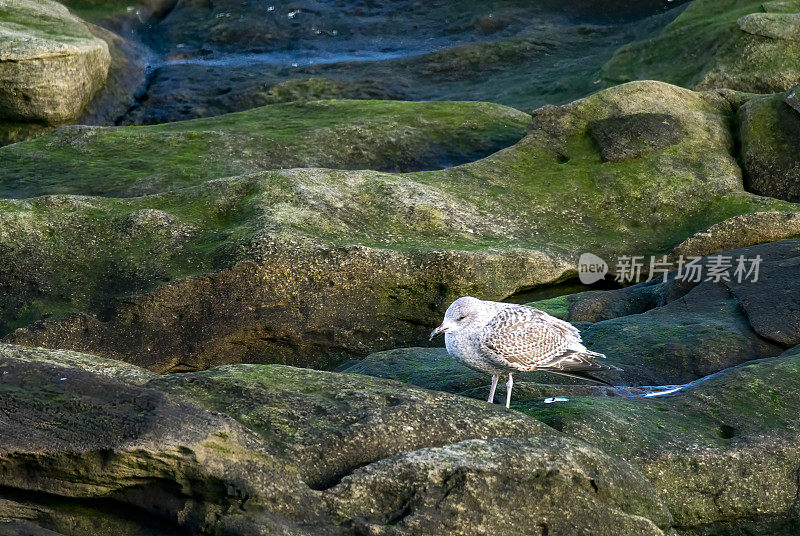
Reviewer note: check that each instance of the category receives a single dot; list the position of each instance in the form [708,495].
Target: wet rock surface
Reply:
[215,58]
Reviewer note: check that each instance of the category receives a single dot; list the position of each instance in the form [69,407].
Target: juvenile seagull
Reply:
[498,338]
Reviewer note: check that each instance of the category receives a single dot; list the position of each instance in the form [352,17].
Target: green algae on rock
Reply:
[718,44]
[383,135]
[314,265]
[328,424]
[720,451]
[769,131]
[290,451]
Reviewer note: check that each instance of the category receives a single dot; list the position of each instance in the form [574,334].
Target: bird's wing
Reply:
[526,339]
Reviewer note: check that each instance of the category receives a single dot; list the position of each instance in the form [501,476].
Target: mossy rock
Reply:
[677,331]
[50,63]
[722,451]
[328,424]
[429,488]
[770,130]
[718,44]
[741,231]
[383,135]
[315,266]
[312,453]
[630,136]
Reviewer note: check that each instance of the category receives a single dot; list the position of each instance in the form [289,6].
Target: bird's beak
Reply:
[437,331]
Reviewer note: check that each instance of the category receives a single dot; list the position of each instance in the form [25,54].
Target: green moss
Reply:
[84,253]
[123,161]
[557,307]
[42,20]
[705,48]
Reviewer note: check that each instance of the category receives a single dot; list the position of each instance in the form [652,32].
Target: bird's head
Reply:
[461,313]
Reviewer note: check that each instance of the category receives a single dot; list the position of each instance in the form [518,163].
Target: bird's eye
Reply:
[460,318]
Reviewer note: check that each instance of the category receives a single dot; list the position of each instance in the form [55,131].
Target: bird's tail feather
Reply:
[583,375]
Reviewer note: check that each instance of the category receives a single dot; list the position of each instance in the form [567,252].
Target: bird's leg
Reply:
[509,385]
[494,386]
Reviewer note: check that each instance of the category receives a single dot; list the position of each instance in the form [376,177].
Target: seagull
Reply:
[498,338]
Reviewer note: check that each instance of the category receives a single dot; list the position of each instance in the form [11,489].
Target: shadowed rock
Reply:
[630,136]
[770,132]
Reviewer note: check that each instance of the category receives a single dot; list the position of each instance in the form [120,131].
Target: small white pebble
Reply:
[62,379]
[471,231]
[555,399]
[271,8]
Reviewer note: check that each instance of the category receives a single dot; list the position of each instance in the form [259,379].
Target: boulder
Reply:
[73,435]
[722,451]
[739,232]
[784,26]
[387,136]
[255,450]
[314,266]
[749,46]
[504,486]
[50,63]
[326,425]
[770,130]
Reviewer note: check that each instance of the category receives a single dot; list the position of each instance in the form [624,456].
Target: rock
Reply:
[718,44]
[13,132]
[326,424]
[741,231]
[784,26]
[15,528]
[125,80]
[702,333]
[22,515]
[678,331]
[431,368]
[769,131]
[229,56]
[73,434]
[630,136]
[792,98]
[721,451]
[427,489]
[312,453]
[50,63]
[264,267]
[390,136]
[118,370]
